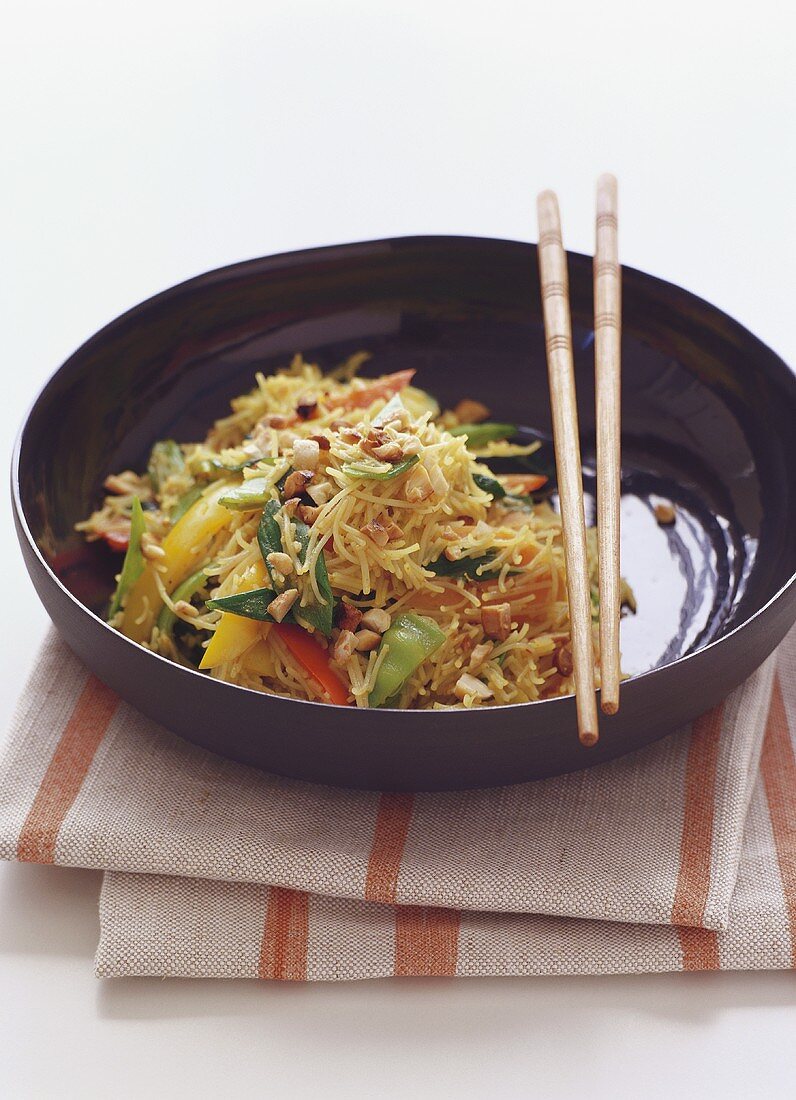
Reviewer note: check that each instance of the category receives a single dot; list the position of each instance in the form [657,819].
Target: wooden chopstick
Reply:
[607,367]
[561,372]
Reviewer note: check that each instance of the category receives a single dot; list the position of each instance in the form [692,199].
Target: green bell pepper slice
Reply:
[410,639]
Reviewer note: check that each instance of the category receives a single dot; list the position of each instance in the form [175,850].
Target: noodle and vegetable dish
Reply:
[339,539]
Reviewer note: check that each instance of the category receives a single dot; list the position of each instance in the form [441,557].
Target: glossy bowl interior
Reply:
[708,424]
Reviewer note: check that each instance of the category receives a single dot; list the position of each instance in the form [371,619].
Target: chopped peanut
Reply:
[388,452]
[376,619]
[496,620]
[350,435]
[321,492]
[438,481]
[562,659]
[275,420]
[279,607]
[322,441]
[308,513]
[367,640]
[453,553]
[396,418]
[469,685]
[296,482]
[290,506]
[283,563]
[306,407]
[350,616]
[480,654]
[376,532]
[286,440]
[344,646]
[417,486]
[376,437]
[470,412]
[306,454]
[665,514]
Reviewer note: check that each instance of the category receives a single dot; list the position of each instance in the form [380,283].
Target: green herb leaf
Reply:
[480,434]
[372,473]
[133,565]
[462,567]
[250,605]
[489,485]
[269,535]
[165,459]
[318,615]
[269,538]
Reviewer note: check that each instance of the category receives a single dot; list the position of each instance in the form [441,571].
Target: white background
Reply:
[145,142]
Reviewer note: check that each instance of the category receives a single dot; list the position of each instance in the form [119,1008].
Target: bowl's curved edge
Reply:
[724,662]
[443,755]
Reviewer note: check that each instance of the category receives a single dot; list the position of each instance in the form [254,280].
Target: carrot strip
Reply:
[382,387]
[313,659]
[117,540]
[527,483]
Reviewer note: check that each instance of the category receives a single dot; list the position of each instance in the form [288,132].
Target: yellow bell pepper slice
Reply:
[260,658]
[235,634]
[183,546]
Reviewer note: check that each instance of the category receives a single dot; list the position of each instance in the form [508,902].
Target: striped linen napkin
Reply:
[680,856]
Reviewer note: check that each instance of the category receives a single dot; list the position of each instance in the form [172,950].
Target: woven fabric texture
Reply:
[680,856]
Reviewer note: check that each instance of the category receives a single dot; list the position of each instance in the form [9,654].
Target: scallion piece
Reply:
[372,473]
[165,459]
[462,567]
[480,434]
[250,494]
[134,562]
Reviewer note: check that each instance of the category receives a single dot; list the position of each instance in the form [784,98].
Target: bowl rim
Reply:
[276,261]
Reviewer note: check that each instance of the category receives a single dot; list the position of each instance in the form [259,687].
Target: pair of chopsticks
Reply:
[560,365]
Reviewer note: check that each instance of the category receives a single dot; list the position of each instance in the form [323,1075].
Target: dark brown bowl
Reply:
[708,423]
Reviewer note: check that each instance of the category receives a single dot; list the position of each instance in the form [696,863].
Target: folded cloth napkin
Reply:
[680,856]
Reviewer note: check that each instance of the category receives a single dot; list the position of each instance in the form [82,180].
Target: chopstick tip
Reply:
[588,738]
[547,201]
[609,706]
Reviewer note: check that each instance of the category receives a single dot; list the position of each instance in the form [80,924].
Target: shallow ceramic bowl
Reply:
[709,421]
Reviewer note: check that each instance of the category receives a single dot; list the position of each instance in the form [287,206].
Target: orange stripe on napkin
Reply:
[778,768]
[426,941]
[699,946]
[65,774]
[283,951]
[387,849]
